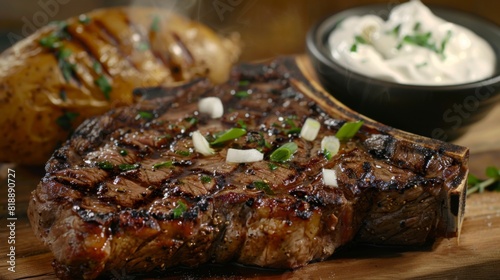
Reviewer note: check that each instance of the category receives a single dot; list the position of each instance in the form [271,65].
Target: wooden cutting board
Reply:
[475,256]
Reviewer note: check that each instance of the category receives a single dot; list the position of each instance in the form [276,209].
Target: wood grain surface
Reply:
[475,256]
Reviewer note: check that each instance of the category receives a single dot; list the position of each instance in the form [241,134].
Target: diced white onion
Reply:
[329,177]
[310,129]
[239,156]
[201,144]
[331,144]
[211,106]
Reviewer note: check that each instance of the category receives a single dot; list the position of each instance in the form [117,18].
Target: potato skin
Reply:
[47,90]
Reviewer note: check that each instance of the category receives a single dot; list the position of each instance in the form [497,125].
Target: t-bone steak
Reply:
[129,191]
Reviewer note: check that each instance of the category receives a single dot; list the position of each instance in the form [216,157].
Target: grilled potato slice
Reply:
[68,71]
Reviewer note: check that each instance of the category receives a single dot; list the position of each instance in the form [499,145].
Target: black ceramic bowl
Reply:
[441,112]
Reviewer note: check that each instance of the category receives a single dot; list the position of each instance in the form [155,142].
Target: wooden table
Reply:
[476,256]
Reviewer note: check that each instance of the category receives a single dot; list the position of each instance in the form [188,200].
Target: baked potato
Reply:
[71,70]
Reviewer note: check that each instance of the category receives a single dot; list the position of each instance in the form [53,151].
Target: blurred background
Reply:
[267,28]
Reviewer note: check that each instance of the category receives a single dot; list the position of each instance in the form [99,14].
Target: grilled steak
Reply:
[129,191]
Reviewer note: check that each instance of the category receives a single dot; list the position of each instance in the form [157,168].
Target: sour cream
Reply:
[412,47]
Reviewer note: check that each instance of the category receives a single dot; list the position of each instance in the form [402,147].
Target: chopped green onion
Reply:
[145,115]
[242,94]
[104,85]
[348,130]
[360,39]
[127,167]
[330,177]
[243,156]
[284,152]
[191,120]
[142,46]
[310,129]
[179,209]
[327,154]
[205,179]
[263,186]
[155,24]
[97,67]
[183,153]
[201,144]
[330,146]
[212,106]
[50,41]
[354,48]
[65,121]
[163,164]
[231,134]
[243,83]
[105,165]
[417,25]
[123,152]
[272,166]
[395,31]
[242,124]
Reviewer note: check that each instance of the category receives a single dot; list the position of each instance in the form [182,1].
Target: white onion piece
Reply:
[310,129]
[239,156]
[331,144]
[329,177]
[201,144]
[211,106]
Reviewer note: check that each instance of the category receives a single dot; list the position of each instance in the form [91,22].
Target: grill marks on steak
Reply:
[129,191]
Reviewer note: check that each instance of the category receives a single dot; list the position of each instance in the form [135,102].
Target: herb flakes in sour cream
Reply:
[412,47]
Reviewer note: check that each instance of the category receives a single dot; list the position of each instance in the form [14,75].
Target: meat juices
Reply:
[128,192]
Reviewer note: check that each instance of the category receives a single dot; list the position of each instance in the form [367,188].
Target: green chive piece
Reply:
[284,152]
[493,172]
[242,94]
[354,48]
[155,24]
[205,179]
[242,124]
[179,209]
[231,134]
[360,39]
[417,25]
[295,130]
[50,41]
[163,164]
[67,68]
[348,130]
[127,167]
[145,115]
[243,83]
[327,154]
[183,153]
[104,85]
[97,67]
[65,121]
[123,152]
[142,46]
[395,30]
[272,166]
[263,186]
[106,165]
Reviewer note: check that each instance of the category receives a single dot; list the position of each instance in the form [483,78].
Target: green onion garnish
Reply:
[155,25]
[179,209]
[84,19]
[183,153]
[104,85]
[348,130]
[242,124]
[65,121]
[126,167]
[272,166]
[284,152]
[243,83]
[327,154]
[242,94]
[263,186]
[354,48]
[360,39]
[205,179]
[51,41]
[105,165]
[145,115]
[123,152]
[163,164]
[231,134]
